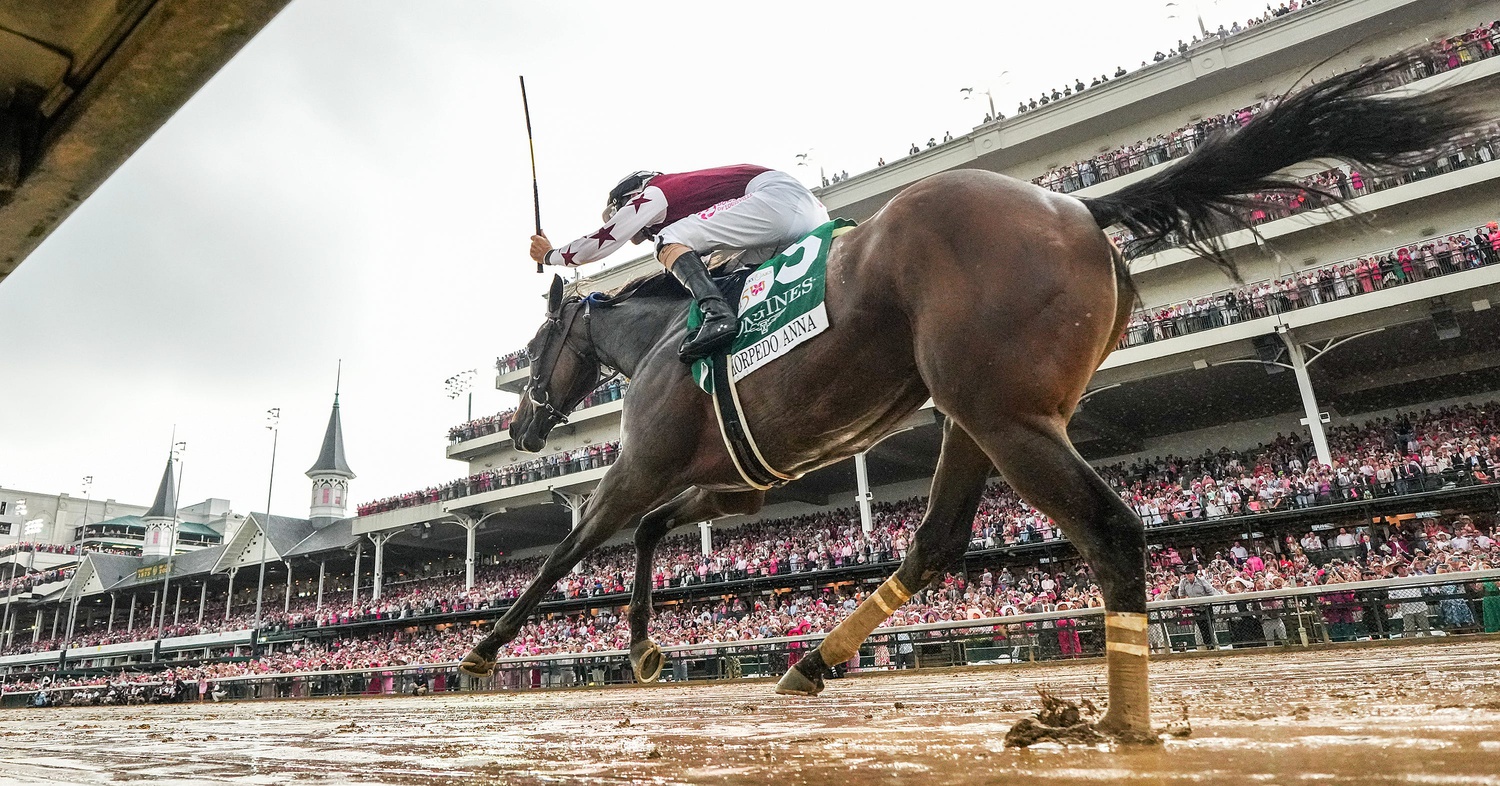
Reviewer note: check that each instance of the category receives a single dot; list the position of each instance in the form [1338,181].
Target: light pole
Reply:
[88,496]
[15,565]
[1178,11]
[178,448]
[806,159]
[970,92]
[273,421]
[461,383]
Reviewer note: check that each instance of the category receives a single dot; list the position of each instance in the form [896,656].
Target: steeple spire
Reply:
[165,505]
[331,474]
[162,515]
[331,457]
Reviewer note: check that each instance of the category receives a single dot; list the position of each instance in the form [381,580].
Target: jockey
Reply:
[691,213]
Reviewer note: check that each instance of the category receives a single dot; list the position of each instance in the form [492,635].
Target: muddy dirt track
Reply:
[1422,714]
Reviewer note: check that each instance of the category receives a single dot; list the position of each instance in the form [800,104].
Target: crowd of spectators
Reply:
[40,548]
[494,424]
[1181,50]
[1407,453]
[482,426]
[512,361]
[1414,547]
[1454,52]
[1392,267]
[1410,453]
[25,581]
[563,462]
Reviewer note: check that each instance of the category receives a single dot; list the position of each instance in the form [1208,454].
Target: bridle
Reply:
[536,386]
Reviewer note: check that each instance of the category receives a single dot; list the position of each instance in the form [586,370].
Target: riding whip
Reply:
[536,195]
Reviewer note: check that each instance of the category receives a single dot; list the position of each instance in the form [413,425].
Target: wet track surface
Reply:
[1424,714]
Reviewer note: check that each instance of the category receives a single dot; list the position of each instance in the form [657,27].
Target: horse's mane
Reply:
[663,285]
[660,284]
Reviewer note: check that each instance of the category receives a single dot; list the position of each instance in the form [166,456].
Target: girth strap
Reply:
[743,451]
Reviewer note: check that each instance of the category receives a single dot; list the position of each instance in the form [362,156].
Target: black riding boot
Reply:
[720,325]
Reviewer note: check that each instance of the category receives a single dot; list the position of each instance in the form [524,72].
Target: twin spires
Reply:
[330,477]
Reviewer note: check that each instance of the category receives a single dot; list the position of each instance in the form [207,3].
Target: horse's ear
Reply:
[555,295]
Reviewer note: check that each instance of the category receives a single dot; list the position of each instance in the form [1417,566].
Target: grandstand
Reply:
[1328,417]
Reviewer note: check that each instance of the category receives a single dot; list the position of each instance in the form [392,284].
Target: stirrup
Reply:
[712,336]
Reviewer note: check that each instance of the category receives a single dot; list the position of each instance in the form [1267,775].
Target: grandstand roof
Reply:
[99,572]
[285,537]
[138,523]
[335,537]
[190,564]
[92,80]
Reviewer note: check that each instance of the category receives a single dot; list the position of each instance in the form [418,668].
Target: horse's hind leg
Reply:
[939,542]
[690,506]
[1036,458]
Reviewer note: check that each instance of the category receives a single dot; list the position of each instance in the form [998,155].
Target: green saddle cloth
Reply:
[780,306]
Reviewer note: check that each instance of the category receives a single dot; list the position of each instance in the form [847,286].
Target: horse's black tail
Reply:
[1339,118]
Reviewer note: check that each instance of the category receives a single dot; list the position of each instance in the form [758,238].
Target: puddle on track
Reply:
[1413,715]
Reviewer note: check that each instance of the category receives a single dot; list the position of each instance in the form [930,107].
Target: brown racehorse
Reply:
[995,298]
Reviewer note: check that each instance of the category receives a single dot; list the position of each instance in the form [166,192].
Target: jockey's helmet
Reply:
[633,183]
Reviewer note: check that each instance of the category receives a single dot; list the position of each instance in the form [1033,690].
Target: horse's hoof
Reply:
[646,660]
[795,683]
[476,665]
[1133,732]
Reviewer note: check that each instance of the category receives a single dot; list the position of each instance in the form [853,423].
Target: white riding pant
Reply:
[775,210]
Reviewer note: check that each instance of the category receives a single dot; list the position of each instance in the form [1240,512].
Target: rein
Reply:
[536,387]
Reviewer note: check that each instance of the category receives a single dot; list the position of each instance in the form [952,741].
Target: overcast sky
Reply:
[355,184]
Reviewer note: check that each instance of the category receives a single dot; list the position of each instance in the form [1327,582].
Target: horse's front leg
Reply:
[690,506]
[620,499]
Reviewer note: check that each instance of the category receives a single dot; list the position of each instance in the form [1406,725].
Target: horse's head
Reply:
[565,368]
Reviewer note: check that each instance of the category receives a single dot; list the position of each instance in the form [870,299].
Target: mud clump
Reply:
[1179,727]
[1059,721]
[1061,712]
[1030,731]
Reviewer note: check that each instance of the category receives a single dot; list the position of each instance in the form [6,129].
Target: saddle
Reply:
[729,269]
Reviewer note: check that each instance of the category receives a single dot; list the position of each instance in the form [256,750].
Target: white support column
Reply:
[155,597]
[72,617]
[379,538]
[470,526]
[36,629]
[706,537]
[322,570]
[862,494]
[1313,415]
[202,598]
[286,602]
[56,614]
[177,606]
[359,550]
[130,620]
[574,504]
[229,594]
[110,628]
